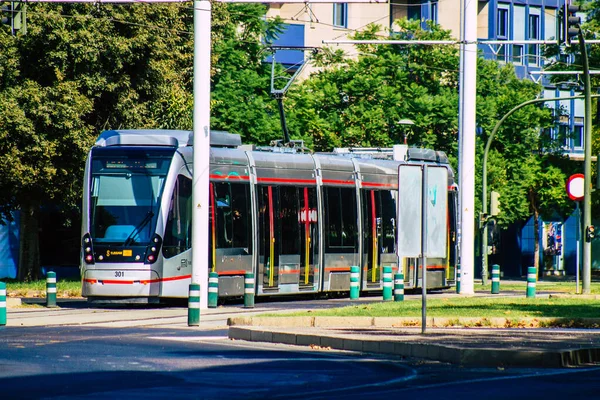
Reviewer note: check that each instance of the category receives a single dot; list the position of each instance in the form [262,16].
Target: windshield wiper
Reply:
[138,228]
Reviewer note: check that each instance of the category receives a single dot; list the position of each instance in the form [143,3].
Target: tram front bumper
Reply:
[120,283]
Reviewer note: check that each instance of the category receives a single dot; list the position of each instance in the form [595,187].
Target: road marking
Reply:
[491,379]
[189,338]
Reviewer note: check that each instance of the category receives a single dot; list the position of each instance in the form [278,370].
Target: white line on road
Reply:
[189,338]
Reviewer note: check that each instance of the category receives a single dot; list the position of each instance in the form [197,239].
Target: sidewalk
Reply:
[491,347]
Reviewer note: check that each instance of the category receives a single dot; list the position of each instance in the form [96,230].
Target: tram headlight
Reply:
[153,249]
[88,250]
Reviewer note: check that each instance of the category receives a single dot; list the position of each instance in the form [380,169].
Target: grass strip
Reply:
[65,288]
[470,307]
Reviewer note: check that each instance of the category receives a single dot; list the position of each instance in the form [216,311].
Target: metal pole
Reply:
[587,166]
[578,237]
[424,252]
[467,147]
[201,158]
[461,89]
[484,208]
[484,247]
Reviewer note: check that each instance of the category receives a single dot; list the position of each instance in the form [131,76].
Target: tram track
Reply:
[120,317]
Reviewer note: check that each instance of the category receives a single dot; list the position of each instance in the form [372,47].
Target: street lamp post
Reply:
[484,209]
[405,122]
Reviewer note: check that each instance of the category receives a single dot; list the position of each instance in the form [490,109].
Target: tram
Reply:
[298,220]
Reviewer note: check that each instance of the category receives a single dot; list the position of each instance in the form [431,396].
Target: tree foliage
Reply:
[84,68]
[358,102]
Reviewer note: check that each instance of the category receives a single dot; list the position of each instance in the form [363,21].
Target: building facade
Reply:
[513,21]
[510,21]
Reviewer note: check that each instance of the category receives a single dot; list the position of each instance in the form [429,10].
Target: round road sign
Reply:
[575,187]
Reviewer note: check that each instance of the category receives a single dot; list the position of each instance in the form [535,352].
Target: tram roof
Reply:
[163,137]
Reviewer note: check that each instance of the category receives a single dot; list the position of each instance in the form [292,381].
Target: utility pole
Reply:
[201,154]
[467,104]
[572,28]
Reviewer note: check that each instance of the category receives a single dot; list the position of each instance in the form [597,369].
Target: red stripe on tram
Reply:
[338,182]
[142,281]
[380,185]
[236,272]
[337,269]
[285,180]
[230,177]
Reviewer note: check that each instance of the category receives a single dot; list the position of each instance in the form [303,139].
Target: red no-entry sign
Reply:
[575,187]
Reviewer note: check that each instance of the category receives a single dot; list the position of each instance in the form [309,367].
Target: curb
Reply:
[12,302]
[398,322]
[485,357]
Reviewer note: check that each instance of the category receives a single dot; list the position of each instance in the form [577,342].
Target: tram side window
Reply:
[341,228]
[232,214]
[289,211]
[388,217]
[178,231]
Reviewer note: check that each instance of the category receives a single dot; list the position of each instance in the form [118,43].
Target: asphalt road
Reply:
[82,362]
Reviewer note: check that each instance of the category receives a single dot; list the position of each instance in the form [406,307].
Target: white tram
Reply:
[299,221]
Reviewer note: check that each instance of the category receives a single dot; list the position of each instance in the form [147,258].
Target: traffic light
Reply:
[14,15]
[571,22]
[590,233]
[494,203]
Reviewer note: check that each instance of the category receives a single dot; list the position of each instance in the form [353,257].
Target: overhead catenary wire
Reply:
[331,41]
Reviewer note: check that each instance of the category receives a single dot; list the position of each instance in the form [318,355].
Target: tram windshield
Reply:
[126,187]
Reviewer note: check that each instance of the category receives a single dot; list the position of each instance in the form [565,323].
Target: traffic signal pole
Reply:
[587,167]
[572,28]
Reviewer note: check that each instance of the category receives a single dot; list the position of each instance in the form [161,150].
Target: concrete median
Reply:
[463,346]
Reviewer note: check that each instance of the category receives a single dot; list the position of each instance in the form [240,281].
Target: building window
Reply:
[434,12]
[577,136]
[413,10]
[502,33]
[340,15]
[517,56]
[561,135]
[534,34]
[502,24]
[501,52]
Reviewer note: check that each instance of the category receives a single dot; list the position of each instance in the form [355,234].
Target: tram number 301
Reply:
[119,274]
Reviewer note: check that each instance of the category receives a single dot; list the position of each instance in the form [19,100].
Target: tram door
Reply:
[379,234]
[452,229]
[288,236]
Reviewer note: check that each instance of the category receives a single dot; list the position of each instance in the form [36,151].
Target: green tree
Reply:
[356,102]
[84,68]
[241,100]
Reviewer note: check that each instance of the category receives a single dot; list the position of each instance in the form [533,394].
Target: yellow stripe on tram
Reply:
[307,267]
[272,269]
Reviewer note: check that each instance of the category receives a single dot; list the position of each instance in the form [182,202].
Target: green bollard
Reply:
[495,279]
[249,290]
[458,278]
[399,287]
[213,289]
[194,305]
[2,303]
[387,283]
[354,282]
[51,289]
[531,280]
